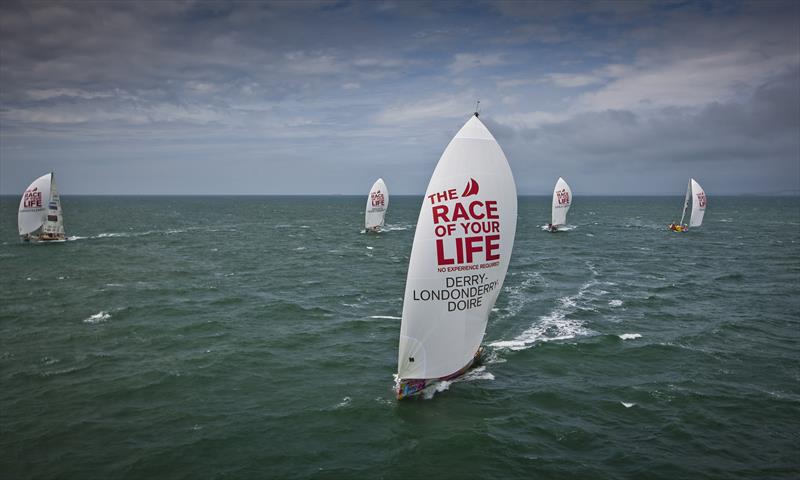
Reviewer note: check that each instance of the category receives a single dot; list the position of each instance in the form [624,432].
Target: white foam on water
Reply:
[75,237]
[345,402]
[615,303]
[555,325]
[630,336]
[627,405]
[370,248]
[476,374]
[98,317]
[385,317]
[395,228]
[299,249]
[110,235]
[518,295]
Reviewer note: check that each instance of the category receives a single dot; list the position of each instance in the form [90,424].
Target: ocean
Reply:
[256,337]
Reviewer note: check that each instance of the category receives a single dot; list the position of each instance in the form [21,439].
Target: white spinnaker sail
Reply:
[377,204]
[562,200]
[699,202]
[459,258]
[34,204]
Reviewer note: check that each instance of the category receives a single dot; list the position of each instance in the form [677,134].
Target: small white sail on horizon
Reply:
[377,204]
[562,200]
[459,258]
[40,217]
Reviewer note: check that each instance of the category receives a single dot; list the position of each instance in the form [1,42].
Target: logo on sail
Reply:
[378,199]
[701,200]
[467,232]
[32,198]
[471,189]
[563,197]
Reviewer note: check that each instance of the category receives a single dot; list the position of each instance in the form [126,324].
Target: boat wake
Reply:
[562,228]
[173,231]
[557,324]
[396,228]
[473,375]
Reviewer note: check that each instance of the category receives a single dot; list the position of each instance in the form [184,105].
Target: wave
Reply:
[518,295]
[630,336]
[98,317]
[384,317]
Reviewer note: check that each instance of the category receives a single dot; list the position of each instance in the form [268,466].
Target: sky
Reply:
[323,97]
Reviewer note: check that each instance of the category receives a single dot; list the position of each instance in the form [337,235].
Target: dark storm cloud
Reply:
[249,97]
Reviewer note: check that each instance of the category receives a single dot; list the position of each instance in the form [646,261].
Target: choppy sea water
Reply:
[256,337]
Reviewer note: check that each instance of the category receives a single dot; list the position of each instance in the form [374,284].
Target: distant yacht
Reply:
[562,200]
[377,204]
[40,218]
[459,258]
[699,201]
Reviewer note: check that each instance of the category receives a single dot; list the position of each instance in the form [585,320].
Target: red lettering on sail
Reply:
[467,232]
[32,198]
[377,198]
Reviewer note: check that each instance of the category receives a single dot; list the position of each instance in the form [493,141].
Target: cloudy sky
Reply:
[323,97]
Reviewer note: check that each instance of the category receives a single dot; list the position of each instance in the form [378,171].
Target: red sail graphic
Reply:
[471,189]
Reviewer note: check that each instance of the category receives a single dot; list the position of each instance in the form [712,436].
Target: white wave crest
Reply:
[627,405]
[630,336]
[345,402]
[384,317]
[615,303]
[98,317]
